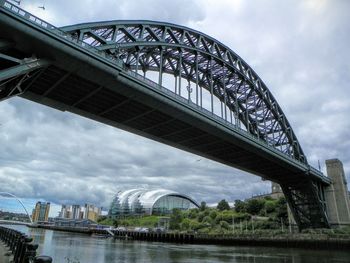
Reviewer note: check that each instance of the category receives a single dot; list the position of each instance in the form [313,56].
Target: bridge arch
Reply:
[199,59]
[19,201]
[92,70]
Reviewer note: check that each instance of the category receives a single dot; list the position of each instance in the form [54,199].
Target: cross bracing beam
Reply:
[14,71]
[172,49]
[24,66]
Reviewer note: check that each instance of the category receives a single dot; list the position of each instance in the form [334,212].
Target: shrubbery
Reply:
[216,220]
[255,213]
[265,216]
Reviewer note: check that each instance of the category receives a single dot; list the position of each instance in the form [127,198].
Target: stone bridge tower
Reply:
[337,195]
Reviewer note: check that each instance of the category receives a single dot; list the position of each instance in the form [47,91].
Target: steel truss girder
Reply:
[307,203]
[12,76]
[196,57]
[24,66]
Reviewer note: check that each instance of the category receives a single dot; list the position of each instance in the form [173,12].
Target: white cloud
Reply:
[299,49]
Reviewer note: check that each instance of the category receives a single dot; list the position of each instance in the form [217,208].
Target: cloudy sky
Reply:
[299,48]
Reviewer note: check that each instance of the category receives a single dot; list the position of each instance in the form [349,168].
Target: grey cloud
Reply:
[66,12]
[299,49]
[65,158]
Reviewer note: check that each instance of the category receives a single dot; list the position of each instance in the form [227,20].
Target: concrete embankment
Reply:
[290,241]
[317,241]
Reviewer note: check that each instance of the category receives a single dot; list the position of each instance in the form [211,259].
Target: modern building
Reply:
[150,202]
[76,211]
[67,222]
[91,212]
[41,212]
[88,211]
[64,210]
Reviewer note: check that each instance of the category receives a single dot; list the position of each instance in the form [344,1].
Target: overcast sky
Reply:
[300,49]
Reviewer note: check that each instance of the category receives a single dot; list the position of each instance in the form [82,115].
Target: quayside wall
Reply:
[318,241]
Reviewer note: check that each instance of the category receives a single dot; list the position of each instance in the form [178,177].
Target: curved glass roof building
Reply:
[151,202]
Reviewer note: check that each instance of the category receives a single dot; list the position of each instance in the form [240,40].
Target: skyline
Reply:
[93,161]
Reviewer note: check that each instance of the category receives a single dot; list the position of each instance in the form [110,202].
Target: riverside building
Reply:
[41,212]
[149,202]
[88,211]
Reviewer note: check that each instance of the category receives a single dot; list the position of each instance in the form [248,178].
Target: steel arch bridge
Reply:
[195,57]
[19,201]
[93,70]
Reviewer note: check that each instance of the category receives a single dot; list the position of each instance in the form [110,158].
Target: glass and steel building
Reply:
[151,202]
[41,212]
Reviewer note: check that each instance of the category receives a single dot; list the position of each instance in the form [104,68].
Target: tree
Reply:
[240,206]
[193,213]
[224,225]
[101,218]
[208,220]
[185,225]
[254,206]
[175,219]
[270,206]
[200,217]
[282,208]
[194,225]
[115,223]
[203,206]
[223,205]
[213,214]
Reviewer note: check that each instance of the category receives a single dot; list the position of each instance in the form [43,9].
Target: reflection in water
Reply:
[66,247]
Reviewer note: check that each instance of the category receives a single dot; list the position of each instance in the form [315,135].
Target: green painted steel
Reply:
[93,70]
[194,56]
[23,68]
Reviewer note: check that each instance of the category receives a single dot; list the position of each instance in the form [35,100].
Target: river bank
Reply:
[286,240]
[66,247]
[281,240]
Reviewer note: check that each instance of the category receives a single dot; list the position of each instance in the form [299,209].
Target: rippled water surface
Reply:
[73,248]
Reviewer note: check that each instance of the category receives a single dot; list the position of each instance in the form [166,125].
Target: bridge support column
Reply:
[337,195]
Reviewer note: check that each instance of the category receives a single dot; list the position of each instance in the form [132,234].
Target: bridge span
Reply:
[218,108]
[13,222]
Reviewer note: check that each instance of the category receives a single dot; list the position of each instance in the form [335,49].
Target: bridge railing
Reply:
[51,28]
[21,247]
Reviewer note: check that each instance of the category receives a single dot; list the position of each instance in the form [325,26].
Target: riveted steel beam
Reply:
[25,66]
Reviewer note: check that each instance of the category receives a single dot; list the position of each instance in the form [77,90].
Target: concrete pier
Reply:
[337,195]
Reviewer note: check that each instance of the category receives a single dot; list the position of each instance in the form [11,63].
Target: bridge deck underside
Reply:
[61,89]
[78,82]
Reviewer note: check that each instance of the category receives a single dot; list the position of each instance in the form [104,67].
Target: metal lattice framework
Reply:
[53,66]
[202,61]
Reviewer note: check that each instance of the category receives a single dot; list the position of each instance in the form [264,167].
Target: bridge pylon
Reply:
[307,203]
[337,195]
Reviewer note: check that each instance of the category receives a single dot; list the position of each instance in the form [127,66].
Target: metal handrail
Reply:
[21,246]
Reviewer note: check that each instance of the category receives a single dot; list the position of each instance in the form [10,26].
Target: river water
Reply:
[66,247]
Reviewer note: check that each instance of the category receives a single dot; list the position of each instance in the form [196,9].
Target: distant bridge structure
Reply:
[19,201]
[203,97]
